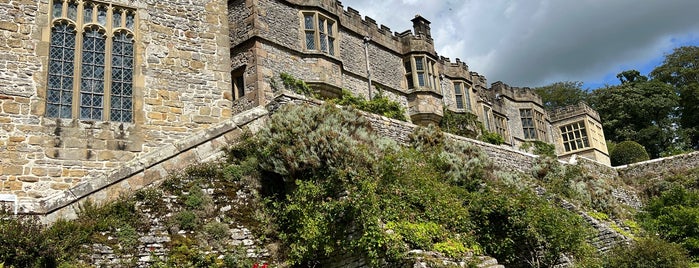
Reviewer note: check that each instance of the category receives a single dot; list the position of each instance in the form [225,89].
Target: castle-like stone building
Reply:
[86,86]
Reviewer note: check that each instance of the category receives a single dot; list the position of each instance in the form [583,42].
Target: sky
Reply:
[537,42]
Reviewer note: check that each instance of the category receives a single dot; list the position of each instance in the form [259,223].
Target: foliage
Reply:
[681,70]
[560,94]
[462,124]
[25,244]
[297,86]
[674,216]
[638,110]
[647,252]
[540,148]
[452,248]
[371,197]
[380,104]
[574,184]
[628,152]
[522,230]
[492,138]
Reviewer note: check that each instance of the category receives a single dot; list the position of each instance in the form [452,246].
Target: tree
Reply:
[638,110]
[681,69]
[561,94]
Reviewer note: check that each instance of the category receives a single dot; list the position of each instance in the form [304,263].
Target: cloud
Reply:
[532,43]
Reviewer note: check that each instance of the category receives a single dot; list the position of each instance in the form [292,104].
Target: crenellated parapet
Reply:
[573,110]
[419,39]
[520,94]
[455,70]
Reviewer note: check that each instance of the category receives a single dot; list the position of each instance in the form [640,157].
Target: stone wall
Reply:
[660,167]
[181,85]
[101,187]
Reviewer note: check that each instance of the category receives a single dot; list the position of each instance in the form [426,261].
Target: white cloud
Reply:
[531,43]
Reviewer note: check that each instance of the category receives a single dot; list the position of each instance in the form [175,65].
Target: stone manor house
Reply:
[88,85]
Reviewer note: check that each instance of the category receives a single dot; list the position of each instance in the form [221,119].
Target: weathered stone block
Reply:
[12,170]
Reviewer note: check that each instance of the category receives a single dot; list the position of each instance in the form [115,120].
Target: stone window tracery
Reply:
[91,61]
[319,33]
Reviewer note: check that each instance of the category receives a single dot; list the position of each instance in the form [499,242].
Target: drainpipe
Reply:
[368,71]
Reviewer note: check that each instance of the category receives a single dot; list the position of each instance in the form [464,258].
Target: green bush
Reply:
[540,148]
[647,252]
[492,138]
[295,85]
[521,229]
[628,152]
[379,104]
[674,216]
[186,220]
[462,124]
[24,244]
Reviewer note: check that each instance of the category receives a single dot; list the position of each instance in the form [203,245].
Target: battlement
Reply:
[522,94]
[573,110]
[351,19]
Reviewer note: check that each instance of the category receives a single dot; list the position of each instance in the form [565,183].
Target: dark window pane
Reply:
[57,9]
[73,11]
[310,41]
[308,22]
[116,18]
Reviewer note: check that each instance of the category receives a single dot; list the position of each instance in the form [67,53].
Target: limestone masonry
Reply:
[111,95]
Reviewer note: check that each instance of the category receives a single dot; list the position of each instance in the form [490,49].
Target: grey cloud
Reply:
[531,43]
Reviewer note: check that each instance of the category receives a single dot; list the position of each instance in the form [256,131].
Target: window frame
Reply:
[533,124]
[501,126]
[238,82]
[464,96]
[324,31]
[96,19]
[574,136]
[428,73]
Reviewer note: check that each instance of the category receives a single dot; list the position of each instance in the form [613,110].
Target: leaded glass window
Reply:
[122,78]
[91,61]
[92,76]
[574,136]
[59,97]
[420,72]
[458,95]
[319,33]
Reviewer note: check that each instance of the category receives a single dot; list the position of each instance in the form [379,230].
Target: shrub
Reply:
[295,85]
[521,229]
[216,230]
[380,104]
[492,138]
[186,220]
[24,244]
[462,124]
[540,148]
[647,252]
[674,215]
[628,152]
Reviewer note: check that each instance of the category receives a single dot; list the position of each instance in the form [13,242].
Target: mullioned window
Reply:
[91,61]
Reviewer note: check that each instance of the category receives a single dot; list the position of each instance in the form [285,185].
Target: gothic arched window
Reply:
[91,61]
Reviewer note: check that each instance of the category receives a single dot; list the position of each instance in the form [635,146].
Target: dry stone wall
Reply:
[660,167]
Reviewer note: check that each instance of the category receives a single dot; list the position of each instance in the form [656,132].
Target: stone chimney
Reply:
[421,27]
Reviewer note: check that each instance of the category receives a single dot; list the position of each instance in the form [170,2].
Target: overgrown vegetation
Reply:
[361,193]
[462,124]
[378,104]
[317,182]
